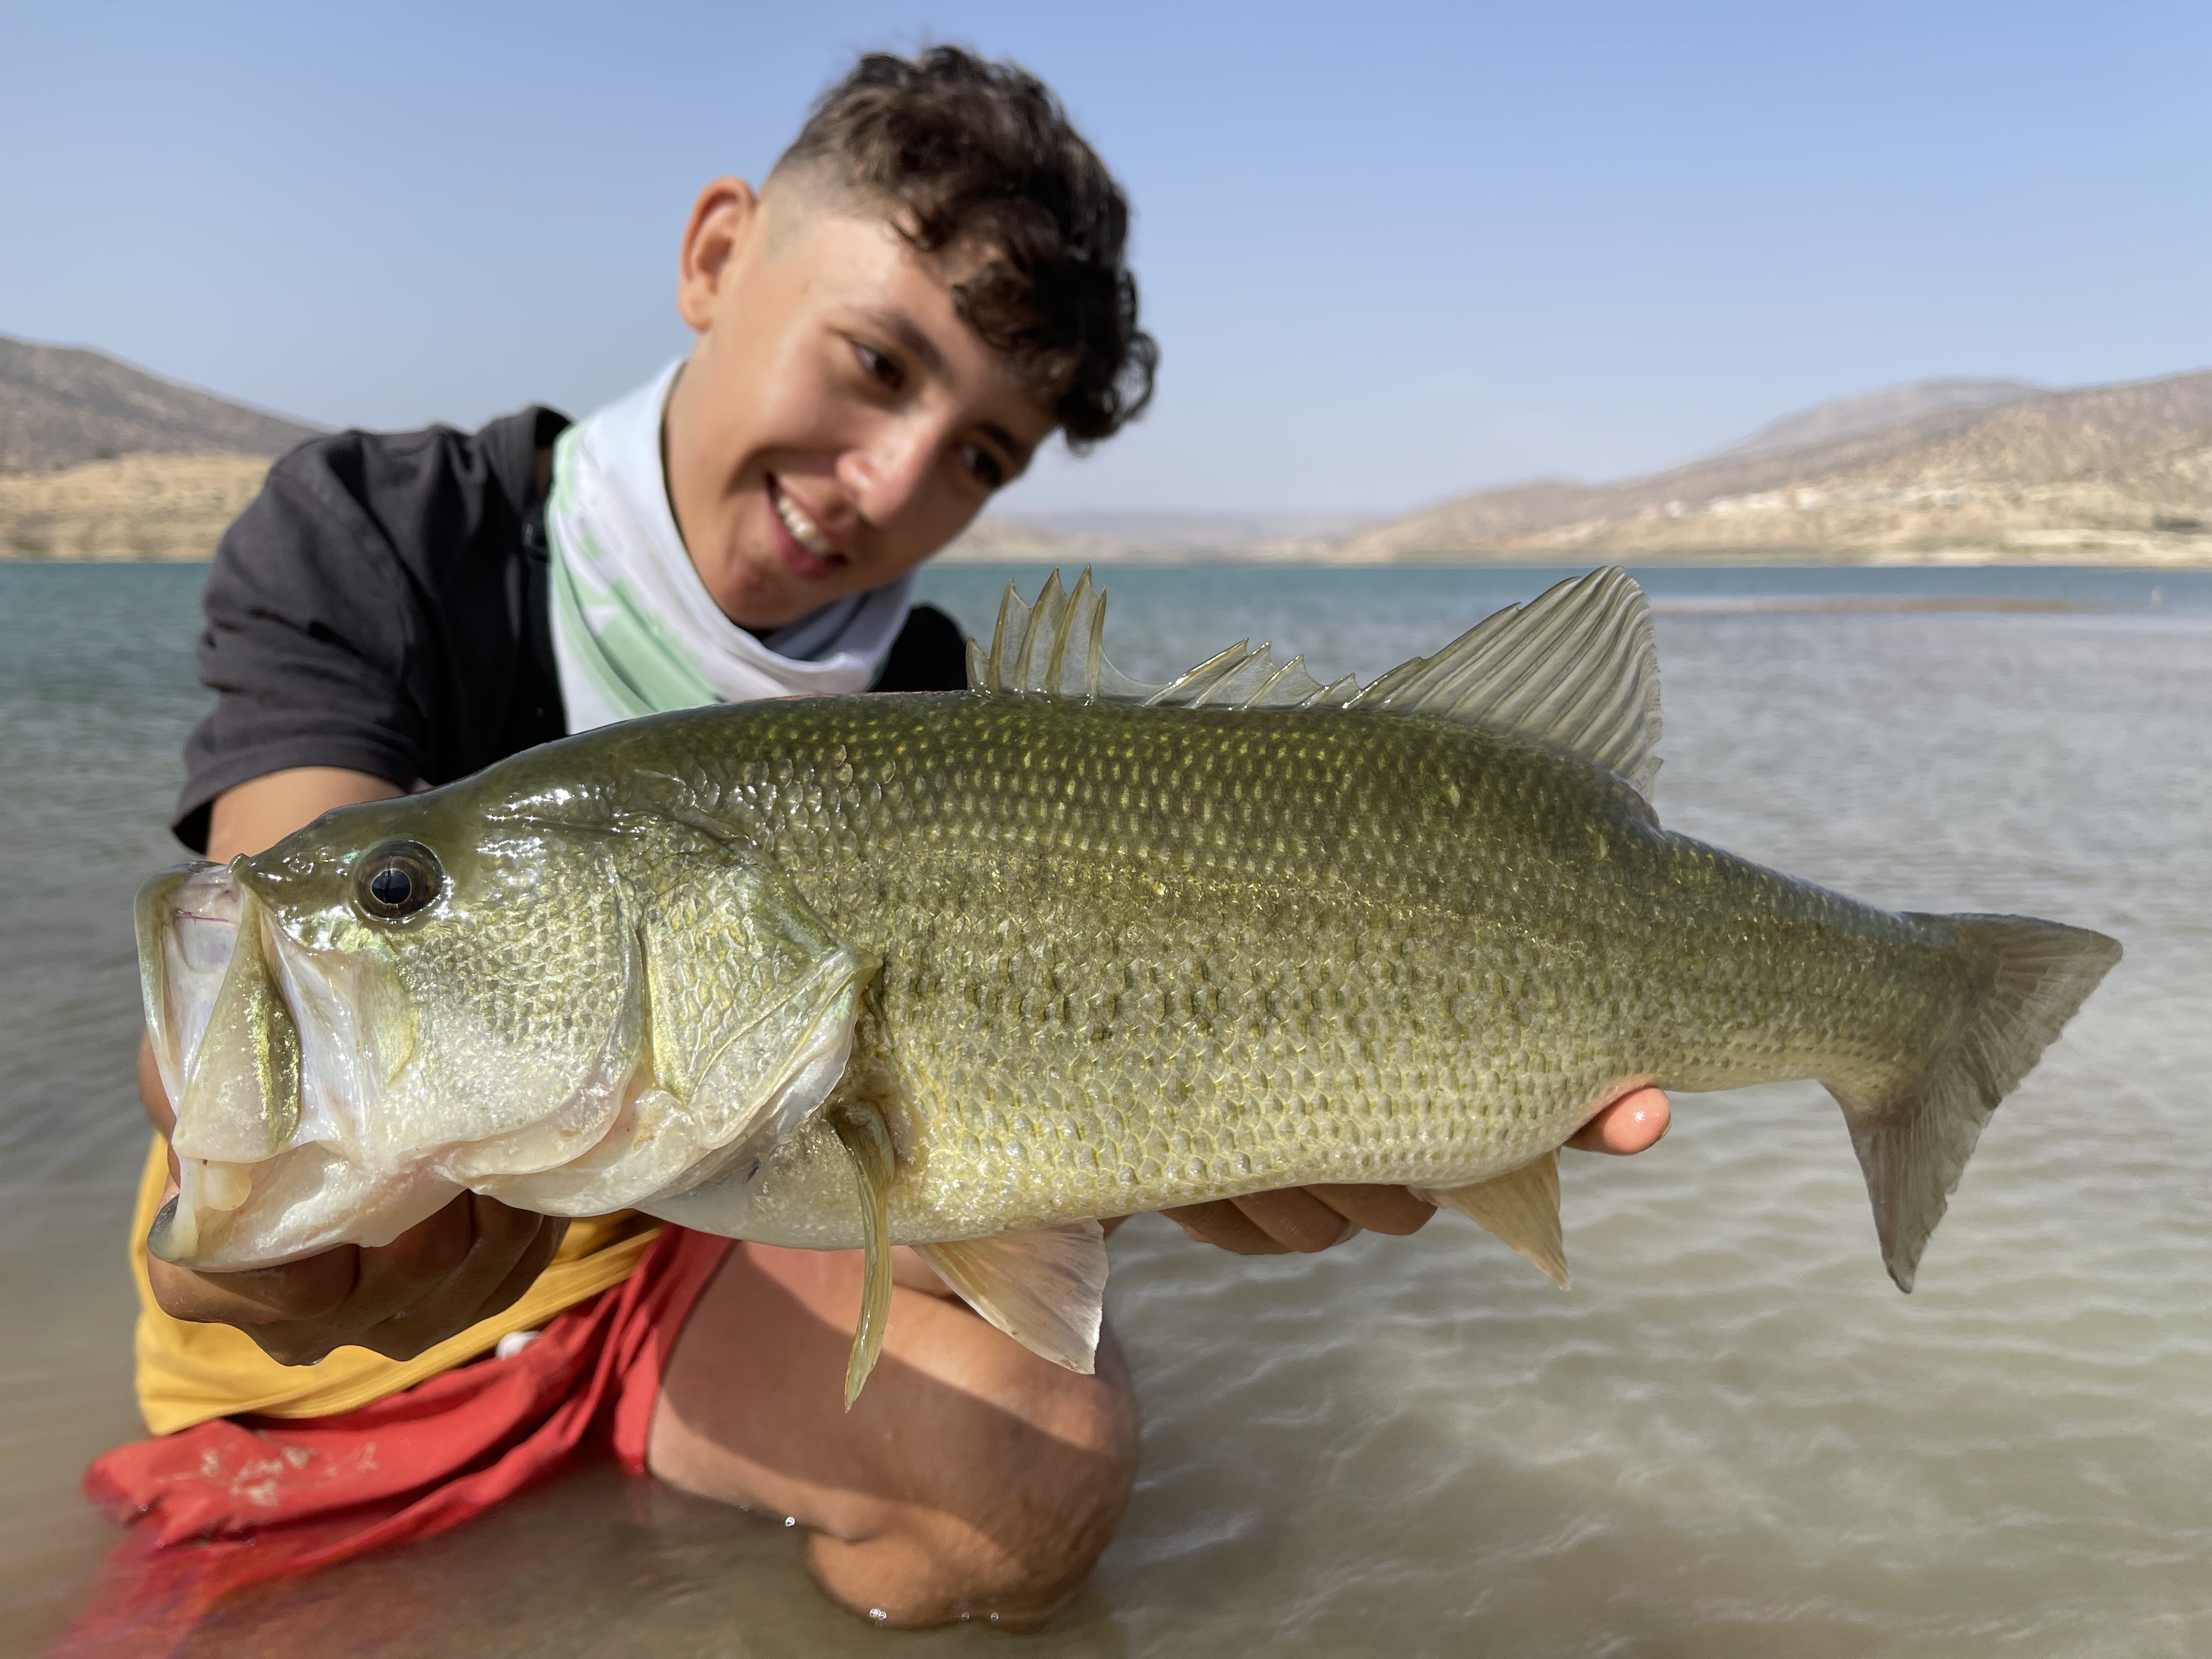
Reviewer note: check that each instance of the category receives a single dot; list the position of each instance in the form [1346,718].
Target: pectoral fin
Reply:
[1044,1289]
[867,1142]
[1522,1208]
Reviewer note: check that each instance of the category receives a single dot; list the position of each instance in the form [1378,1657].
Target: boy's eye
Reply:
[883,370]
[983,466]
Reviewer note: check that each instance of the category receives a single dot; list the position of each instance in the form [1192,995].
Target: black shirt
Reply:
[382,606]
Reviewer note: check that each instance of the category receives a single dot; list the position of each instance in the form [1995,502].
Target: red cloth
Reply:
[240,1501]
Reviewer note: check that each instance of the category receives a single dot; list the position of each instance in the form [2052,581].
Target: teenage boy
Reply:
[929,285]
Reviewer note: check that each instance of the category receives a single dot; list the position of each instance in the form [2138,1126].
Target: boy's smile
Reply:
[837,422]
[804,546]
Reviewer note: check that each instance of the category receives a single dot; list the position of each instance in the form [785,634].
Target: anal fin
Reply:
[861,1131]
[1522,1209]
[1044,1289]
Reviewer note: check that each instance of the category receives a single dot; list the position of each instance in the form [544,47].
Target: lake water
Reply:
[1733,1438]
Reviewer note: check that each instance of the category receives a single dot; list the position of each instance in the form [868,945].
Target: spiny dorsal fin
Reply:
[1522,1209]
[1056,645]
[1045,1289]
[1574,668]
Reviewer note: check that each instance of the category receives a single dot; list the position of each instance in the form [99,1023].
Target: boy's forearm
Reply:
[258,813]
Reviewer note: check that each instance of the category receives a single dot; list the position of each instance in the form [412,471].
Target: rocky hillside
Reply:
[141,507]
[1870,412]
[2116,472]
[61,406]
[100,460]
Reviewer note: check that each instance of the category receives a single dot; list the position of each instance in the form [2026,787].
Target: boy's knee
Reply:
[1014,1561]
[936,1569]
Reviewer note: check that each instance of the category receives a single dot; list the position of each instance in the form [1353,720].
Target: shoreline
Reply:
[2069,558]
[174,508]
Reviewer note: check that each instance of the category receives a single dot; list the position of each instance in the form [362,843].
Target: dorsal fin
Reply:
[1056,645]
[1575,668]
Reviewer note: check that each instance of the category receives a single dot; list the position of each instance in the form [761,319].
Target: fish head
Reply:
[555,998]
[397,998]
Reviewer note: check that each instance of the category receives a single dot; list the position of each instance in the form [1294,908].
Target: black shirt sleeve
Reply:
[380,607]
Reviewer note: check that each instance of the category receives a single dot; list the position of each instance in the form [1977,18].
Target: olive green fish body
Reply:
[1134,957]
[970,971]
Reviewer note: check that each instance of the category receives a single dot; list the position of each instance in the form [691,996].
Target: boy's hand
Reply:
[465,1263]
[1309,1219]
[473,1259]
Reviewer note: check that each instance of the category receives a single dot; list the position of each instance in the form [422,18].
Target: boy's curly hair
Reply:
[976,153]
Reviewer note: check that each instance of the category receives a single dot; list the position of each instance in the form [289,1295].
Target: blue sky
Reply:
[1392,252]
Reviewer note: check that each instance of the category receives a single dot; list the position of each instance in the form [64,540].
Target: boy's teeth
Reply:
[802,527]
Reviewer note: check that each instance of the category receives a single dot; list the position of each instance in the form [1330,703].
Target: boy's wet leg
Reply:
[971,1478]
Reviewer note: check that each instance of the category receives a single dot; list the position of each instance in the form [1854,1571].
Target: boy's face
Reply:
[836,422]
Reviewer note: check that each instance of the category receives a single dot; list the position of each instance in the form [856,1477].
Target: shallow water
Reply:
[1733,1437]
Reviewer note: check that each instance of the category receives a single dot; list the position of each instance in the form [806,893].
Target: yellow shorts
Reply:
[189,1373]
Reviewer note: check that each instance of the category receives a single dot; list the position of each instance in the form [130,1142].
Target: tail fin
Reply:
[2027,978]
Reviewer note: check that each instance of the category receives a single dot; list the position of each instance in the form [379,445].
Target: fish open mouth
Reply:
[269,1066]
[225,1042]
[187,923]
[257,1044]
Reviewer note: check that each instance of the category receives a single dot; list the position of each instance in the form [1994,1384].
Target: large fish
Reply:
[969,971]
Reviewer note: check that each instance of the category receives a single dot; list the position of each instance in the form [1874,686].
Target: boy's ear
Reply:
[724,221]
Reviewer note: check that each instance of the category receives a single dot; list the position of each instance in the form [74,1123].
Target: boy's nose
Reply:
[886,476]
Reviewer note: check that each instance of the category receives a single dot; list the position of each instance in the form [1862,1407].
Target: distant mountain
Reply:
[1075,537]
[99,460]
[1870,412]
[62,406]
[2094,472]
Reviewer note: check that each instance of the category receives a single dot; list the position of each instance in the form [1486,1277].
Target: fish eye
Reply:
[393,881]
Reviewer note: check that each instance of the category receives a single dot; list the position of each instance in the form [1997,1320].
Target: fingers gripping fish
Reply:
[970,971]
